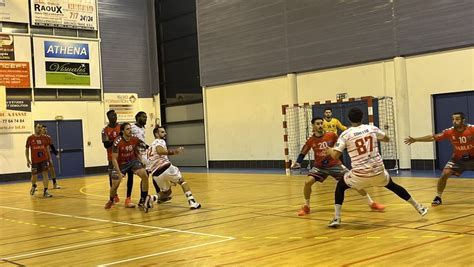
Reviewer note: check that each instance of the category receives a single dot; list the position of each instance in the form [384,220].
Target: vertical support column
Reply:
[292,88]
[370,109]
[206,130]
[402,109]
[285,140]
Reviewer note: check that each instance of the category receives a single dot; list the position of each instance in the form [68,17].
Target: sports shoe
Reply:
[436,201]
[422,210]
[304,210]
[193,204]
[47,194]
[109,204]
[128,203]
[56,186]
[33,190]
[376,206]
[116,199]
[148,204]
[163,200]
[335,223]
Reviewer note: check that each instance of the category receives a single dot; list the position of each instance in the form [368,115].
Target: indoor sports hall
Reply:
[232,102]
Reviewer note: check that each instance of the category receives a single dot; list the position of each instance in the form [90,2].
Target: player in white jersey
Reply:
[367,165]
[164,173]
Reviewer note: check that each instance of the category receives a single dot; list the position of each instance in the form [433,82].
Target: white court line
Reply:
[163,252]
[117,222]
[77,246]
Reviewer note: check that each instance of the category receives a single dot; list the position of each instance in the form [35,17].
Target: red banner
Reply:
[15,74]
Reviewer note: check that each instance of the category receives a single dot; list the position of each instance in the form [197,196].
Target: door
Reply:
[444,106]
[68,139]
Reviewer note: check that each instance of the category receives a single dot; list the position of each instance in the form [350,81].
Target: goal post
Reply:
[297,126]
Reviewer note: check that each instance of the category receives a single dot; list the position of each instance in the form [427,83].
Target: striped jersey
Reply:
[139,132]
[361,144]
[155,160]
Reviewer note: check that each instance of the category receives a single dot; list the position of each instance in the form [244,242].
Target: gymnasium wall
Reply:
[244,120]
[245,123]
[92,114]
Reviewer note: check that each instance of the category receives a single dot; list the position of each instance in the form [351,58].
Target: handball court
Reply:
[247,219]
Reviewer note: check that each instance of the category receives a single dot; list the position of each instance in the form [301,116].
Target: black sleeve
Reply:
[53,149]
[108,144]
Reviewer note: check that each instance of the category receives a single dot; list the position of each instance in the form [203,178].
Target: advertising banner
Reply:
[14,11]
[17,117]
[7,47]
[125,105]
[64,13]
[61,63]
[15,74]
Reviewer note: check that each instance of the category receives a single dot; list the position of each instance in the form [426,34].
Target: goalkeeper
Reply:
[324,165]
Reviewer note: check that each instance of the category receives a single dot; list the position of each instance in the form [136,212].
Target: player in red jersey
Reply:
[109,133]
[52,171]
[38,144]
[324,165]
[461,136]
[125,157]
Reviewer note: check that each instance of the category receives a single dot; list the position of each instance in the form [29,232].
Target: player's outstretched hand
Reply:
[409,140]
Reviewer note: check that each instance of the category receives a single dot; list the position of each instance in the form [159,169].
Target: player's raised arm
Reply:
[427,138]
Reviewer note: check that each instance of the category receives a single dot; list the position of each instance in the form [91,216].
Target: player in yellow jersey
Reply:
[331,124]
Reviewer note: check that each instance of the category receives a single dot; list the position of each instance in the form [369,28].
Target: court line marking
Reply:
[161,253]
[76,246]
[118,222]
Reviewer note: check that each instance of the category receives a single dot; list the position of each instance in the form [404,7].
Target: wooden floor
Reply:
[246,220]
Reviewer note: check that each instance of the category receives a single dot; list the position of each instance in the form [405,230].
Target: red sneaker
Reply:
[376,206]
[304,210]
[129,203]
[116,199]
[109,204]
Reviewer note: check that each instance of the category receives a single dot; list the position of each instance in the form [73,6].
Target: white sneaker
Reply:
[335,223]
[148,204]
[422,210]
[194,205]
[56,186]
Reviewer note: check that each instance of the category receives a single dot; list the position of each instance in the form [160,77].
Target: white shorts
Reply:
[170,176]
[358,182]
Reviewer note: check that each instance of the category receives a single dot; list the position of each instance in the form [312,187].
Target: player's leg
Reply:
[305,209]
[53,176]
[43,167]
[372,204]
[34,178]
[144,198]
[400,191]
[341,187]
[128,200]
[193,204]
[115,183]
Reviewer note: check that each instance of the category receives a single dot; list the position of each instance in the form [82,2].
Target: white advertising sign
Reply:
[14,11]
[76,14]
[125,105]
[64,63]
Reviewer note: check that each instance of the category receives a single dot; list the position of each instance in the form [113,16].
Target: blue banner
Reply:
[54,49]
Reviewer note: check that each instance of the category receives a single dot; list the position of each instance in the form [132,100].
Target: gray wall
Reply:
[243,40]
[128,47]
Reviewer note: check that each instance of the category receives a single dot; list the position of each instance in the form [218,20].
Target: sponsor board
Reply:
[14,11]
[7,47]
[65,13]
[17,117]
[125,105]
[67,73]
[55,49]
[15,74]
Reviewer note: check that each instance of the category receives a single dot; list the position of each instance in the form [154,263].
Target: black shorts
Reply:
[458,166]
[132,166]
[39,167]
[320,174]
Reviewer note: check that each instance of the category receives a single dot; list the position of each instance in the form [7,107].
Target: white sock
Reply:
[438,194]
[337,209]
[306,202]
[413,202]
[190,197]
[369,199]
